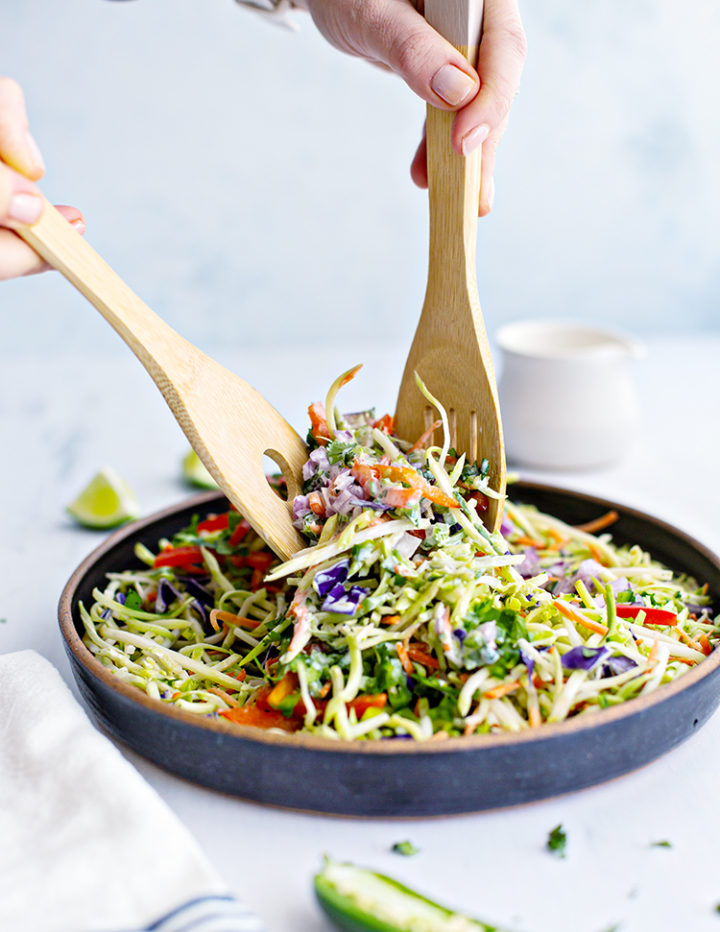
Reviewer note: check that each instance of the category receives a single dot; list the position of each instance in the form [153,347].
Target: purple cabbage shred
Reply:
[325,580]
[343,601]
[583,658]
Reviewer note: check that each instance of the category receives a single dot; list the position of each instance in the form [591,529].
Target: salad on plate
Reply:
[404,618]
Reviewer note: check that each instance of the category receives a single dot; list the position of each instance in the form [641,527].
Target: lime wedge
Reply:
[195,473]
[106,502]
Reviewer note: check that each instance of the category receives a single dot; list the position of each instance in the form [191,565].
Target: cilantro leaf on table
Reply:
[557,842]
[406,848]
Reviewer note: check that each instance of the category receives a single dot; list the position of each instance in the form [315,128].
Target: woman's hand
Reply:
[394,34]
[20,165]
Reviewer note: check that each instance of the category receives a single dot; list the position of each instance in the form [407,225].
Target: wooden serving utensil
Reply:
[450,351]
[228,423]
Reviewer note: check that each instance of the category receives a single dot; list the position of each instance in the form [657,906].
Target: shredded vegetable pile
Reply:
[404,617]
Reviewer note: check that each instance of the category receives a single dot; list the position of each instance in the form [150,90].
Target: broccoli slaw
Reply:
[404,617]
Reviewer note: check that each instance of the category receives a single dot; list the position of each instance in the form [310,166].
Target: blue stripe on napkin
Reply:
[208,914]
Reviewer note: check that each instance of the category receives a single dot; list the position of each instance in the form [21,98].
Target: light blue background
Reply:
[252,184]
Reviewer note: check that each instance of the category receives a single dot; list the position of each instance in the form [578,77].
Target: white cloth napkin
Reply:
[86,845]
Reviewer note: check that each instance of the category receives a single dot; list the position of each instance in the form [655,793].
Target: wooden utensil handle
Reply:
[156,345]
[453,180]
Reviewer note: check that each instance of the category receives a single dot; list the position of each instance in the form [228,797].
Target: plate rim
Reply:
[377,746]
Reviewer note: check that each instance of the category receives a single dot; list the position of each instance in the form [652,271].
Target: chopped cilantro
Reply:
[406,848]
[661,844]
[557,842]
[133,600]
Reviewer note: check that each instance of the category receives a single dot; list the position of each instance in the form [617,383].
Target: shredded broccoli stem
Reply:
[404,616]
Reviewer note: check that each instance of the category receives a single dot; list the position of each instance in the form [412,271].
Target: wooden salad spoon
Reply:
[450,351]
[228,423]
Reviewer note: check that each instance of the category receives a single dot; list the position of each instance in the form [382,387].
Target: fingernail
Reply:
[25,208]
[78,225]
[474,138]
[34,153]
[452,84]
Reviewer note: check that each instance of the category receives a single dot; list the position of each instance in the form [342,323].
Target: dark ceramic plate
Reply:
[398,778]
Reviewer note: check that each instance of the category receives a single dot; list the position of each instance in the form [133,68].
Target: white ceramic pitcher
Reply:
[567,396]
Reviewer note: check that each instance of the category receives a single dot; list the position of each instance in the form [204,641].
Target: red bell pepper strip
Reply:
[215,523]
[260,718]
[239,533]
[179,556]
[653,616]
[258,560]
[360,704]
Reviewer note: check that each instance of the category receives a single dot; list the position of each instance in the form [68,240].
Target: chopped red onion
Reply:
[507,527]
[407,545]
[300,507]
[530,566]
[317,462]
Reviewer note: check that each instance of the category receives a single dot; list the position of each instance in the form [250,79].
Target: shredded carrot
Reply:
[217,614]
[364,472]
[690,641]
[653,655]
[389,619]
[560,541]
[523,541]
[425,436]
[402,653]
[599,524]
[705,645]
[421,656]
[569,612]
[316,504]
[223,695]
[534,718]
[318,420]
[386,424]
[597,553]
[503,689]
[325,689]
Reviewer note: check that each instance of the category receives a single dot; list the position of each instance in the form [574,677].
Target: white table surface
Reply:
[62,419]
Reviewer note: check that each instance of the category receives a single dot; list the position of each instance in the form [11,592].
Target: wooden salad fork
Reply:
[228,423]
[450,351]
